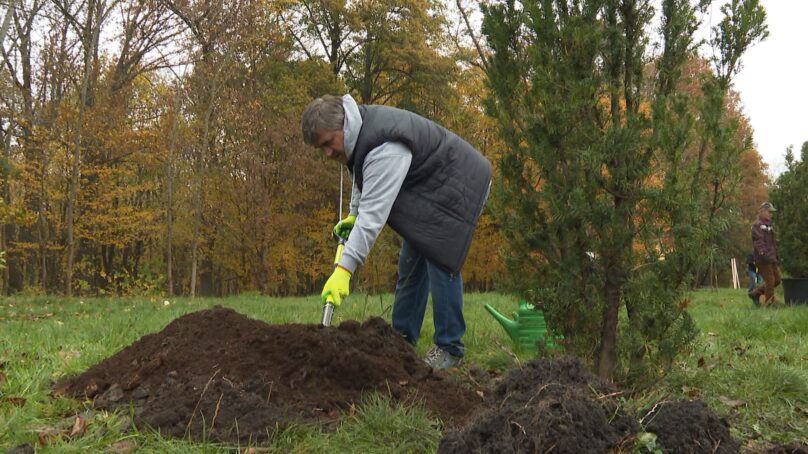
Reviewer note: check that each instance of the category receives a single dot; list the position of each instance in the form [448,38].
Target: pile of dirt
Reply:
[560,406]
[547,405]
[690,427]
[223,376]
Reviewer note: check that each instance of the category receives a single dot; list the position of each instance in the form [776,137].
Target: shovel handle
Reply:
[338,255]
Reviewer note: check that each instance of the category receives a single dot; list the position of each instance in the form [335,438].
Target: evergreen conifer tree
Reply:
[612,189]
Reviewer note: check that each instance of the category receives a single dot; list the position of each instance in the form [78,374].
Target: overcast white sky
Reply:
[773,82]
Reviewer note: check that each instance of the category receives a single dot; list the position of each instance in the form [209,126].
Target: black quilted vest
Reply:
[442,195]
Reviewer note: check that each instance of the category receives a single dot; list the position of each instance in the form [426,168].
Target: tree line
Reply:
[153,146]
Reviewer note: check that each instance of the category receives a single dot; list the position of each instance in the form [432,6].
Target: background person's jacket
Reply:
[765,245]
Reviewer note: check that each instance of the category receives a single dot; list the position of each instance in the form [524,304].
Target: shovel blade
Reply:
[328,313]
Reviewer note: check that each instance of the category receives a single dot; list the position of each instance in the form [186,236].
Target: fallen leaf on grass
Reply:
[2,378]
[765,446]
[481,394]
[17,401]
[122,447]
[708,367]
[68,355]
[36,317]
[690,392]
[47,434]
[732,403]
[79,426]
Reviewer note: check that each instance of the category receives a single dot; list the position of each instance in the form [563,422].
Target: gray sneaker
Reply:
[438,358]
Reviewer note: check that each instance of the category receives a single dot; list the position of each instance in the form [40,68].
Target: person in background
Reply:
[427,184]
[755,278]
[765,252]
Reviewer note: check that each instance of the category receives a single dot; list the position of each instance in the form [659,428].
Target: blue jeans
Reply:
[755,279]
[417,276]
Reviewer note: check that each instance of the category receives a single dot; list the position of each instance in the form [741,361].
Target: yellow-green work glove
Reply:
[337,286]
[343,227]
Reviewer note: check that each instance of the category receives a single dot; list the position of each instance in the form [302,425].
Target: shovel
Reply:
[328,308]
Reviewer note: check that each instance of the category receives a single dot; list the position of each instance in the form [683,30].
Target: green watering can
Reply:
[526,328]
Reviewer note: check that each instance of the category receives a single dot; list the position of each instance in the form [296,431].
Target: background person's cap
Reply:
[767,206]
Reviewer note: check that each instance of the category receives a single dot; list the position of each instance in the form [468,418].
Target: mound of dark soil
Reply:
[690,427]
[789,449]
[546,406]
[222,376]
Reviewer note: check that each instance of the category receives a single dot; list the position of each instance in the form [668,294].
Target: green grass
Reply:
[750,365]
[744,354]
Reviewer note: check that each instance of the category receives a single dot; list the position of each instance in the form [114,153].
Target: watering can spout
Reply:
[526,329]
[511,326]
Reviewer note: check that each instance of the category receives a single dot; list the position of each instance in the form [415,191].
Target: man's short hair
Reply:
[323,114]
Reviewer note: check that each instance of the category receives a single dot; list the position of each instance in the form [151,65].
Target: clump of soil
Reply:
[690,427]
[219,375]
[789,449]
[557,406]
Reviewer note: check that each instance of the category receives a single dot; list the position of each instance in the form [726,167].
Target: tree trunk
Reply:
[170,196]
[194,248]
[42,227]
[6,20]
[90,38]
[607,352]
[199,196]
[7,228]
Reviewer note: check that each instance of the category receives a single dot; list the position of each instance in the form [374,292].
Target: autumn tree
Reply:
[23,103]
[110,160]
[385,52]
[612,186]
[246,180]
[209,25]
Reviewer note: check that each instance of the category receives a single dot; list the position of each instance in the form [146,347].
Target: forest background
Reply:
[154,147]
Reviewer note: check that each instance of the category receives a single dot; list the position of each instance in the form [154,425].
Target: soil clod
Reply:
[690,427]
[546,406]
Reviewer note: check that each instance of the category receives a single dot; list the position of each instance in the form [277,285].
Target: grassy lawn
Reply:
[749,364]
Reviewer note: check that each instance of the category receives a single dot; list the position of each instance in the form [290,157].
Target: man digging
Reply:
[428,185]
